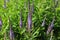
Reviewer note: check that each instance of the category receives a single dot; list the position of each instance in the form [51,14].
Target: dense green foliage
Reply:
[11,15]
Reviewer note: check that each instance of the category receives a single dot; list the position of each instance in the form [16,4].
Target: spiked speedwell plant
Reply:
[30,19]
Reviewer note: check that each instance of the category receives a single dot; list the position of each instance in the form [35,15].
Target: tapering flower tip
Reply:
[4,4]
[11,34]
[43,23]
[52,23]
[56,3]
[20,19]
[32,7]
[28,4]
[51,26]
[7,0]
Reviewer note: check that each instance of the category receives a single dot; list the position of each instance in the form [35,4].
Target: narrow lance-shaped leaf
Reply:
[51,26]
[4,3]
[11,32]
[0,23]
[43,23]
[20,18]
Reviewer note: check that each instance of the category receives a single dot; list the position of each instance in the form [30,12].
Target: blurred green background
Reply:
[11,9]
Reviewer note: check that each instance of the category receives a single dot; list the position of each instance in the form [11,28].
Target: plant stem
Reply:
[51,35]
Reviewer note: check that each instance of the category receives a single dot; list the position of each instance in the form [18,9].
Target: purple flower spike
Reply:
[0,23]
[11,31]
[29,16]
[29,22]
[11,34]
[20,23]
[20,20]
[51,26]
